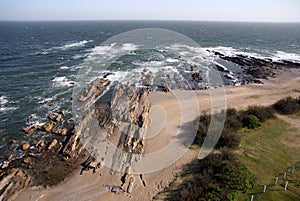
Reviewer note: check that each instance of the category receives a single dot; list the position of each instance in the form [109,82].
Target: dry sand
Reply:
[89,186]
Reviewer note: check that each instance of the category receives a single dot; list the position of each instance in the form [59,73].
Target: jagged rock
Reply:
[148,79]
[25,146]
[52,116]
[91,92]
[12,182]
[58,118]
[29,130]
[41,143]
[52,144]
[49,126]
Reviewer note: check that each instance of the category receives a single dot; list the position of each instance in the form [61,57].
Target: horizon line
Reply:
[141,20]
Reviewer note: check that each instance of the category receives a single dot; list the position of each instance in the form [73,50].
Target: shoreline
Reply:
[239,97]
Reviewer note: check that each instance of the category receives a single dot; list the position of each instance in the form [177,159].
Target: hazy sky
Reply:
[217,10]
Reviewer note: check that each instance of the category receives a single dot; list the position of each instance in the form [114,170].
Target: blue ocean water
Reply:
[39,61]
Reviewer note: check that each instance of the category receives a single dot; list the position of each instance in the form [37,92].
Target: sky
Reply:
[199,10]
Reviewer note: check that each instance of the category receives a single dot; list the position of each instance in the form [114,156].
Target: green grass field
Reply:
[264,153]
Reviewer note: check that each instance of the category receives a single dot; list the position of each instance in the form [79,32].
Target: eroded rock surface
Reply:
[11,183]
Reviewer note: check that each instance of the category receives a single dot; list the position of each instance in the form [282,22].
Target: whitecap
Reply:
[129,47]
[63,81]
[171,60]
[64,67]
[76,44]
[280,55]
[3,100]
[6,109]
[43,101]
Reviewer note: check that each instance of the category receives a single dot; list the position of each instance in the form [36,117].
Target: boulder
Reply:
[25,146]
[52,116]
[52,144]
[29,130]
[49,126]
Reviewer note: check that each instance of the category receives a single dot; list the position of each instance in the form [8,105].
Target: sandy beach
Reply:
[91,186]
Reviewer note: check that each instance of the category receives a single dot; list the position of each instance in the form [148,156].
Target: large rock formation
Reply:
[122,119]
[12,182]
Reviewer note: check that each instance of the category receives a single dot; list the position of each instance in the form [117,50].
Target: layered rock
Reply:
[12,182]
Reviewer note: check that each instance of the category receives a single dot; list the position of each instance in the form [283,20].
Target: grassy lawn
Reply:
[268,152]
[263,152]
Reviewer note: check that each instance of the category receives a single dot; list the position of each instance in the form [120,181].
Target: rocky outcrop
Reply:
[124,117]
[258,68]
[12,182]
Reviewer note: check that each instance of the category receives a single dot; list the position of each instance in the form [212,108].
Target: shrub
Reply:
[216,177]
[261,112]
[287,105]
[251,121]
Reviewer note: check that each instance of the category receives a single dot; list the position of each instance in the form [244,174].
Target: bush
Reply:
[261,112]
[216,177]
[235,120]
[287,105]
[251,121]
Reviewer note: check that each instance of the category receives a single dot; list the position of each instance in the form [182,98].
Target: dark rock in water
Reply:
[30,130]
[256,67]
[197,77]
[12,182]
[222,69]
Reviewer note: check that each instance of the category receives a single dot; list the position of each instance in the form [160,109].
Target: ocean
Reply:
[39,61]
